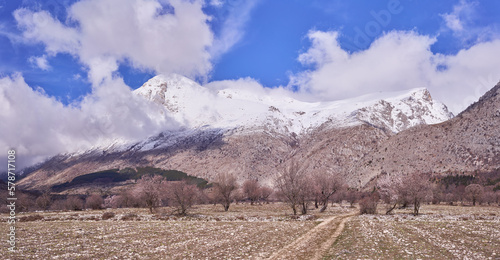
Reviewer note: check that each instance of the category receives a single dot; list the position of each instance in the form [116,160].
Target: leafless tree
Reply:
[224,188]
[94,201]
[251,189]
[352,196]
[74,202]
[265,193]
[150,189]
[326,185]
[43,201]
[25,202]
[390,187]
[489,197]
[368,204]
[292,186]
[418,189]
[410,189]
[474,192]
[182,194]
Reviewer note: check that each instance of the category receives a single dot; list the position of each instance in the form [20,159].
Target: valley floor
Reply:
[259,232]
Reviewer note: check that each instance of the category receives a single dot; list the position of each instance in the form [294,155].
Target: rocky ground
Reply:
[441,232]
[259,232]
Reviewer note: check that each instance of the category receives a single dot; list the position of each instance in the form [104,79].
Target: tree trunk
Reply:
[226,207]
[304,208]
[416,206]
[387,212]
[325,205]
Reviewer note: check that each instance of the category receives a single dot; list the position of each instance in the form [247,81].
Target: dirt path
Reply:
[315,243]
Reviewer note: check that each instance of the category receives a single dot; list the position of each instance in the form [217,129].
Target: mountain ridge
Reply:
[214,140]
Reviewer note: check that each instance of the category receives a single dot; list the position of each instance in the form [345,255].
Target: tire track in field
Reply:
[315,243]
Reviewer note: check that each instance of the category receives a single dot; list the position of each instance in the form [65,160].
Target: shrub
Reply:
[94,201]
[43,201]
[107,215]
[368,205]
[74,203]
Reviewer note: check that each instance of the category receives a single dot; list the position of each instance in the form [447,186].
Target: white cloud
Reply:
[216,3]
[143,32]
[461,13]
[41,62]
[232,30]
[42,27]
[396,61]
[460,21]
[38,126]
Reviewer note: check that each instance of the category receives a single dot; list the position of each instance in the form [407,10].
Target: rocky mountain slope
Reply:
[235,130]
[468,143]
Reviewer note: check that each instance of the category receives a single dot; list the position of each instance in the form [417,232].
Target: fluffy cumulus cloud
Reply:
[395,61]
[151,36]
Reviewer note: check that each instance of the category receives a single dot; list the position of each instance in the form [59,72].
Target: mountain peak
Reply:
[196,106]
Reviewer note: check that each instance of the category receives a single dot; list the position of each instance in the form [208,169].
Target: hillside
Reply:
[468,143]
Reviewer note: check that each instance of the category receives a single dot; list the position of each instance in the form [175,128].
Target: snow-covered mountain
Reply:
[196,106]
[252,133]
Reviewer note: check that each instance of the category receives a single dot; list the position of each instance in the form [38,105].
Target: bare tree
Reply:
[474,192]
[25,202]
[410,189]
[74,202]
[251,189]
[352,196]
[225,186]
[418,188]
[325,185]
[306,193]
[43,201]
[150,189]
[94,201]
[291,186]
[265,193]
[390,187]
[182,194]
[368,204]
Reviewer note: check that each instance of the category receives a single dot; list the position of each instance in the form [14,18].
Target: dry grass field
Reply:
[441,232]
[259,232]
[245,232]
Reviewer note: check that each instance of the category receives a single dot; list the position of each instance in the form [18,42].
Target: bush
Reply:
[43,201]
[107,215]
[368,205]
[94,201]
[74,203]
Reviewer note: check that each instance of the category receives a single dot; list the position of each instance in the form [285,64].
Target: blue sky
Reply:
[67,67]
[272,38]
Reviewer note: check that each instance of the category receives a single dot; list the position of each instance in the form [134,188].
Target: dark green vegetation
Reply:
[484,178]
[117,175]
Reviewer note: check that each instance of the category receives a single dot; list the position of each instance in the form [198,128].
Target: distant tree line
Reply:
[301,187]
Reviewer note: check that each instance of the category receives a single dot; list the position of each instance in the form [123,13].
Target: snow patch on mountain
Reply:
[196,106]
